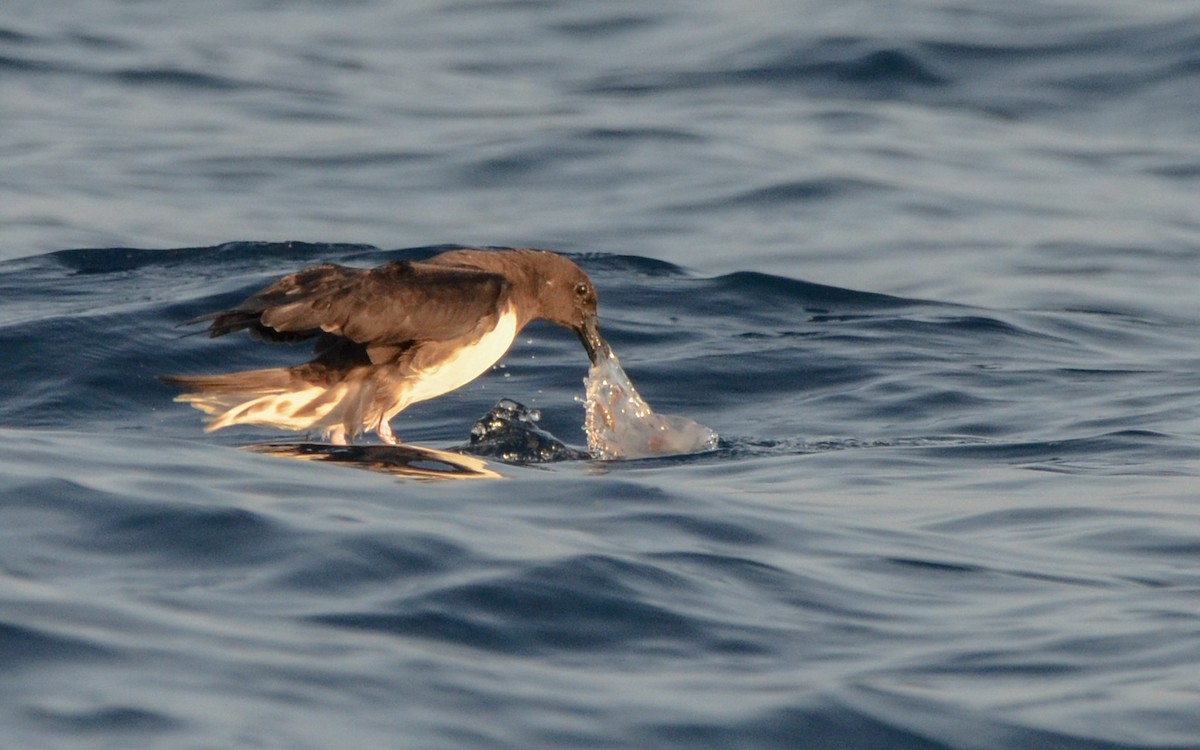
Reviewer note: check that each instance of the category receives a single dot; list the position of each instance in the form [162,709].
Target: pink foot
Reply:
[384,430]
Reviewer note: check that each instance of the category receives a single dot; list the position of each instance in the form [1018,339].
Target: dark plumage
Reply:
[387,337]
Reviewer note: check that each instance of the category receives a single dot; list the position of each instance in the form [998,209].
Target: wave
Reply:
[88,331]
[1065,62]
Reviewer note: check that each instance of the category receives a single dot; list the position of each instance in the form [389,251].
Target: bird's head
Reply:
[568,298]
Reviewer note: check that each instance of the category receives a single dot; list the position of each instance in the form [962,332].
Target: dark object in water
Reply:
[509,433]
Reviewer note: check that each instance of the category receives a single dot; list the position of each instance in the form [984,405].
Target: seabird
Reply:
[387,337]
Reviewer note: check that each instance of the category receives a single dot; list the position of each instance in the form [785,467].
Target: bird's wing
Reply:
[311,282]
[384,307]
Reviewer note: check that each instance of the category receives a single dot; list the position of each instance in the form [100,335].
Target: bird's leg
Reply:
[337,436]
[384,430]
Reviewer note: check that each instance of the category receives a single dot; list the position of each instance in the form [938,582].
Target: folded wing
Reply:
[387,307]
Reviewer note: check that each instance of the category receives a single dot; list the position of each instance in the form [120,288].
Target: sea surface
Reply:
[929,267]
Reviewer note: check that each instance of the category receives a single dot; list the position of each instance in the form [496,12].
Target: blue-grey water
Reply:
[930,268]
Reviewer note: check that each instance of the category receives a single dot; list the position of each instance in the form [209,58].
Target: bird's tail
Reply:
[265,397]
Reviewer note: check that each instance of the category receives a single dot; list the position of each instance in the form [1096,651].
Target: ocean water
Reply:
[928,267]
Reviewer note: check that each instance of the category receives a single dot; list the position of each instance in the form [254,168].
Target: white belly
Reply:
[467,364]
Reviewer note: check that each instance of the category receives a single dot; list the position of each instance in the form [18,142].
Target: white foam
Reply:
[620,424]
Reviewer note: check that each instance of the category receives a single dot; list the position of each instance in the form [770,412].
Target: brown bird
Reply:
[388,337]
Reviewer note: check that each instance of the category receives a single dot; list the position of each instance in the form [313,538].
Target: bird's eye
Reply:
[581,290]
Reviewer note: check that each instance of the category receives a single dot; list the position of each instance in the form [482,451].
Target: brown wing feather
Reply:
[384,307]
[311,282]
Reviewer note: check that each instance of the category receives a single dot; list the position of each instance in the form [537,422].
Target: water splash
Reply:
[620,424]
